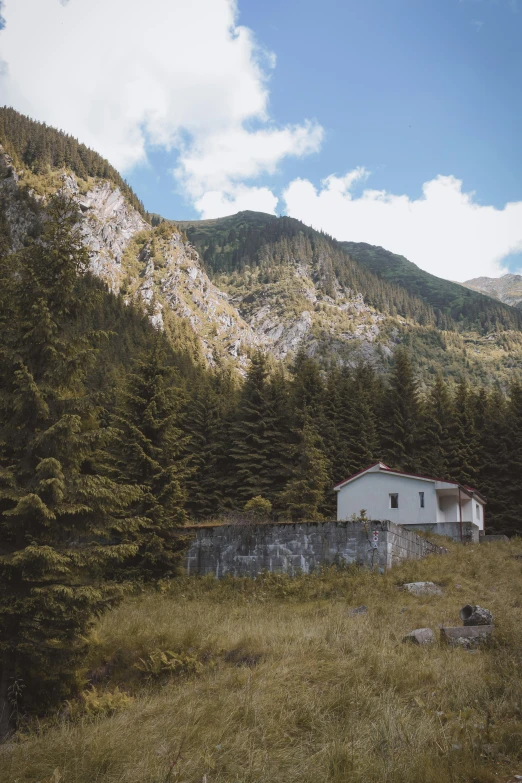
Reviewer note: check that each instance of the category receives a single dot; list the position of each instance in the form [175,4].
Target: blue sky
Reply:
[396,122]
[406,88]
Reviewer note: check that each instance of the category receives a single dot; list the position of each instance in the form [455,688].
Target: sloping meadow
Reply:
[275,679]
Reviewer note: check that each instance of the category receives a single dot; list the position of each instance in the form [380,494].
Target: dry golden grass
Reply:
[273,681]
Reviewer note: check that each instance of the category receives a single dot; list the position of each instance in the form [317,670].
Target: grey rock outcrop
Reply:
[507,289]
[423,588]
[419,636]
[108,224]
[475,615]
[467,637]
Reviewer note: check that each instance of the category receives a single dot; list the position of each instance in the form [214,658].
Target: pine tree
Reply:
[495,467]
[149,448]
[280,436]
[510,520]
[308,390]
[361,430]
[305,491]
[435,439]
[58,508]
[256,440]
[208,421]
[463,460]
[401,416]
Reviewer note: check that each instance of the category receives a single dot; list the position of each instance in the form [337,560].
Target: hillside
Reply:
[507,289]
[466,308]
[273,266]
[274,679]
[252,280]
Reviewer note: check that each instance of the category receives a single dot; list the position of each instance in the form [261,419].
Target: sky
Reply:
[392,122]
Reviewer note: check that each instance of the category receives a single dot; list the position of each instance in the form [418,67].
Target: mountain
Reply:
[228,286]
[462,305]
[507,289]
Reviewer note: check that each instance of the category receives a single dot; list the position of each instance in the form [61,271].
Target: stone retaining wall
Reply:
[458,531]
[247,550]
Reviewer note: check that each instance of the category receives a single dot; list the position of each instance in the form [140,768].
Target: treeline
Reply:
[290,439]
[110,441]
[40,148]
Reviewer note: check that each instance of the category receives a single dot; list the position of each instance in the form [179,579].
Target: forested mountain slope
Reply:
[252,280]
[263,263]
[465,307]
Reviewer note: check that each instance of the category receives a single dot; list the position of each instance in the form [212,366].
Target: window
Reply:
[477,510]
[394,500]
[421,499]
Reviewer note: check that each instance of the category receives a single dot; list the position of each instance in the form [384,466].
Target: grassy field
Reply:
[274,681]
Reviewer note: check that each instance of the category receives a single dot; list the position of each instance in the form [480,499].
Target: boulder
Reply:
[475,615]
[359,610]
[470,636]
[419,636]
[423,588]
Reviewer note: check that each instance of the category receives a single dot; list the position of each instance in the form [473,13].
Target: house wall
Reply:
[478,518]
[449,510]
[247,550]
[372,492]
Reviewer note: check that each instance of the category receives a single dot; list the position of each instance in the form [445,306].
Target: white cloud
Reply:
[121,74]
[445,231]
[216,203]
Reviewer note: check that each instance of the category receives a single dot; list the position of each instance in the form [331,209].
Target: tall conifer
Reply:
[254,436]
[149,454]
[401,416]
[58,508]
[304,493]
[435,439]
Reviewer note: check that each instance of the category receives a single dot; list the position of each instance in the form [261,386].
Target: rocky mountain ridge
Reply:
[507,289]
[162,269]
[257,281]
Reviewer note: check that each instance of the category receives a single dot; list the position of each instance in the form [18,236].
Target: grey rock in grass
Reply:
[423,588]
[419,636]
[475,615]
[470,636]
[359,610]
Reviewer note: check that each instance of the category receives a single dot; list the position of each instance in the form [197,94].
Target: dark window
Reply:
[421,499]
[394,500]
[477,510]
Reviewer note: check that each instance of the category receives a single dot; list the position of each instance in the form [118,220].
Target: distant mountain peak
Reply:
[507,288]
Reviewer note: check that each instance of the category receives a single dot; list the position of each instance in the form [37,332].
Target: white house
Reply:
[407,499]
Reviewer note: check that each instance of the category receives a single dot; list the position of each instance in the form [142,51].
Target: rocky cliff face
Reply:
[160,268]
[108,225]
[507,289]
[293,312]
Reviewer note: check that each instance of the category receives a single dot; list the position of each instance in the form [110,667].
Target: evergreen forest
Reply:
[117,437]
[112,440]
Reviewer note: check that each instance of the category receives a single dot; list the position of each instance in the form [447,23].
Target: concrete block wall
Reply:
[247,550]
[465,531]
